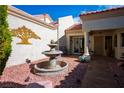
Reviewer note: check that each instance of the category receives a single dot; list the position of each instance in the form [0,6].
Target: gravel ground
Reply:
[21,75]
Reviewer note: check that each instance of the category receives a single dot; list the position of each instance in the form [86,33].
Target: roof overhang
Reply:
[114,12]
[23,15]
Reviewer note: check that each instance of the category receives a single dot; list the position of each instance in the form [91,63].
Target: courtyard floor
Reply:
[100,72]
[16,76]
[104,72]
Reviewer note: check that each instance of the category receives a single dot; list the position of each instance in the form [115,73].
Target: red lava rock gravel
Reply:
[21,75]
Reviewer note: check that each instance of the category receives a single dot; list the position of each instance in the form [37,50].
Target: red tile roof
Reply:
[107,10]
[75,27]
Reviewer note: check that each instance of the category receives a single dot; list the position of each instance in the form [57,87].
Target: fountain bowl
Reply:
[53,66]
[57,52]
[43,69]
[52,45]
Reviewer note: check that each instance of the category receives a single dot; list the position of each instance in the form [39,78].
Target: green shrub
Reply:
[5,38]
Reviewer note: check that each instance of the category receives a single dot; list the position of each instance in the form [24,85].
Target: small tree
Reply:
[5,38]
[24,34]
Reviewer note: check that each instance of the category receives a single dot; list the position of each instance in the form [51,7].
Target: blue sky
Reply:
[56,11]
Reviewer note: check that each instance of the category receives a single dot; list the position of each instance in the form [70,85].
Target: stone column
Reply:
[86,56]
[118,52]
[86,43]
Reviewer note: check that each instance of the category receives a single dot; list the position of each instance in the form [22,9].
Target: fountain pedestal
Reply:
[52,63]
[53,66]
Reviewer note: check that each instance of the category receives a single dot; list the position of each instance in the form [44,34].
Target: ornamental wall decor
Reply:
[24,34]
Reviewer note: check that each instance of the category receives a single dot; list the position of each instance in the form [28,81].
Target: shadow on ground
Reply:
[18,85]
[11,85]
[73,80]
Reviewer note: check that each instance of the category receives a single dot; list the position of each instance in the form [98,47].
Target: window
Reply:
[122,39]
[115,40]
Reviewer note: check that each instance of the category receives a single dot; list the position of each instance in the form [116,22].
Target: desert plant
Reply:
[5,38]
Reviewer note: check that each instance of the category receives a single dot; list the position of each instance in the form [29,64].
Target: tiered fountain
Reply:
[53,66]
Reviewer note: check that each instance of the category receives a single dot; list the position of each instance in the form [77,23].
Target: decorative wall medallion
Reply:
[24,34]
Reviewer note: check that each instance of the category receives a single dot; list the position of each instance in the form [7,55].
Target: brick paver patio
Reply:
[100,72]
[103,72]
[15,76]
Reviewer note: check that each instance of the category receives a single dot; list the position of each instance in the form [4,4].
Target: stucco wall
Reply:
[33,52]
[64,23]
[118,50]
[101,33]
[46,20]
[105,23]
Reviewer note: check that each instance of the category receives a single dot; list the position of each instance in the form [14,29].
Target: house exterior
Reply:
[32,33]
[20,52]
[104,32]
[75,39]
[101,32]
[44,17]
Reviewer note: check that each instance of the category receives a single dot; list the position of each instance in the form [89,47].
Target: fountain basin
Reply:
[43,69]
[53,66]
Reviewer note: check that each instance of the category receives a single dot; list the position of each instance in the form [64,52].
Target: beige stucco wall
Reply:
[46,20]
[104,23]
[100,33]
[118,50]
[33,52]
[111,20]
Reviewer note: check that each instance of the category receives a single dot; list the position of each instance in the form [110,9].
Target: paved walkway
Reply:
[21,75]
[103,72]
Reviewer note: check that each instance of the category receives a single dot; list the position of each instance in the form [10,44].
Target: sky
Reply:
[57,11]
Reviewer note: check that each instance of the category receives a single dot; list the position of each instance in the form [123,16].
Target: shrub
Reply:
[5,38]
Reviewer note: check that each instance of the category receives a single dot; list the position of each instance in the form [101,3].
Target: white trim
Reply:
[21,14]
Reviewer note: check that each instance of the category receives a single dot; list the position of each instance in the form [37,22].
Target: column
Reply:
[118,52]
[86,43]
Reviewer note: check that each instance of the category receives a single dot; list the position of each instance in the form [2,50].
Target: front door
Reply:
[98,45]
[108,45]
